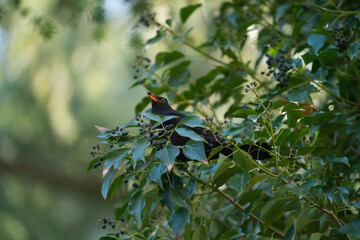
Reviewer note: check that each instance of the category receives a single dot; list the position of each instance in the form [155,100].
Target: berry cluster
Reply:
[293,151]
[144,127]
[96,150]
[131,174]
[120,132]
[343,37]
[279,66]
[140,67]
[158,140]
[106,222]
[251,86]
[148,19]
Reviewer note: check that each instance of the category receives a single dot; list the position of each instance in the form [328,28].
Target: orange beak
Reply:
[152,97]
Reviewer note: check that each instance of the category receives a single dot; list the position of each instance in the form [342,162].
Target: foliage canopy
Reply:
[304,103]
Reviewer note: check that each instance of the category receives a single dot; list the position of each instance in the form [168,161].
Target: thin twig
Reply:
[252,216]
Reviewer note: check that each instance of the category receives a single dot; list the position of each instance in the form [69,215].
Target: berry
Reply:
[135,185]
[246,90]
[126,180]
[111,145]
[97,164]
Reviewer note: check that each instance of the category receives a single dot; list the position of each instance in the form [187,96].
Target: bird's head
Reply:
[159,104]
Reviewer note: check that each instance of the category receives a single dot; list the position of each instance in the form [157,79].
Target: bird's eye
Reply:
[163,100]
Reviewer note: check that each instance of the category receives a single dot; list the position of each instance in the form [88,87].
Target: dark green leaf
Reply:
[178,220]
[164,58]
[243,113]
[299,94]
[326,56]
[224,163]
[106,183]
[353,50]
[239,181]
[194,150]
[303,189]
[316,41]
[352,229]
[160,35]
[186,132]
[168,154]
[343,160]
[289,233]
[308,57]
[115,157]
[169,21]
[192,121]
[187,11]
[296,135]
[139,149]
[136,206]
[320,3]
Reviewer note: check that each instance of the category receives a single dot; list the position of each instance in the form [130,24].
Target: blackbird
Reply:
[161,106]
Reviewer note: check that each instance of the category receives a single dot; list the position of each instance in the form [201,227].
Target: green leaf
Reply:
[274,209]
[158,118]
[352,229]
[241,159]
[320,3]
[326,55]
[192,121]
[243,113]
[290,233]
[299,94]
[160,35]
[178,220]
[179,73]
[296,135]
[316,41]
[239,181]
[303,189]
[156,172]
[115,157]
[308,57]
[186,132]
[164,58]
[106,183]
[343,160]
[194,150]
[139,149]
[168,154]
[169,21]
[223,164]
[115,186]
[233,234]
[187,11]
[353,50]
[136,206]
[281,136]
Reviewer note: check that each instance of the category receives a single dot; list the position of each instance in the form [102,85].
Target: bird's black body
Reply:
[161,106]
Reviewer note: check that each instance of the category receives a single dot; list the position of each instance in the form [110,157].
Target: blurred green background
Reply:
[64,66]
